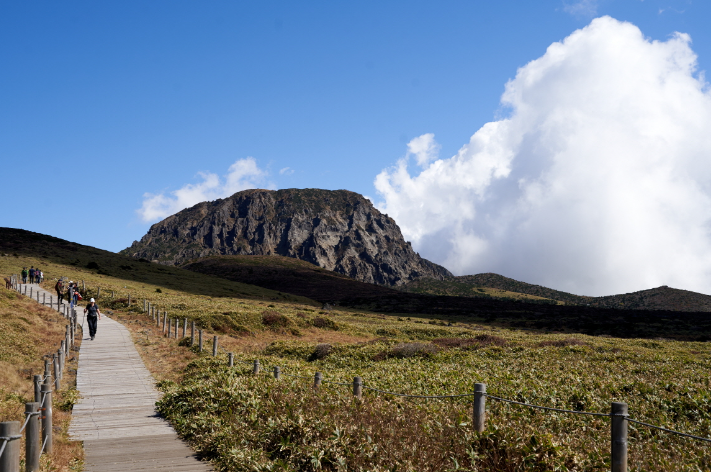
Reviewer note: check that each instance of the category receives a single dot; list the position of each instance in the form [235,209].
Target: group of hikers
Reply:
[92,311]
[71,290]
[35,276]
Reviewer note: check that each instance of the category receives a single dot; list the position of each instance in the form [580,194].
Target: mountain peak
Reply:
[338,230]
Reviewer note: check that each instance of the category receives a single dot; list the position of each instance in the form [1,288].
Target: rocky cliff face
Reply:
[337,230]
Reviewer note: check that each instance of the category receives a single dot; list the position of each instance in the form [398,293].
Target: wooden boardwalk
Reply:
[116,415]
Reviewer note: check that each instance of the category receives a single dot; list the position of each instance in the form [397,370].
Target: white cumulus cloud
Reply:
[598,182]
[242,175]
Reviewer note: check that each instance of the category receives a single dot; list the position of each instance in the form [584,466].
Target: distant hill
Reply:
[288,275]
[660,298]
[336,230]
[16,243]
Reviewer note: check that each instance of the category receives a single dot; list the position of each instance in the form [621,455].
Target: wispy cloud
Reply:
[586,8]
[286,171]
[242,175]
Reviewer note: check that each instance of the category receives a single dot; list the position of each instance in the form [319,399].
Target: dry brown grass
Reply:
[28,333]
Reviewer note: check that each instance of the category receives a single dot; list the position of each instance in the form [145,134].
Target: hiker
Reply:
[59,287]
[91,318]
[38,275]
[75,293]
[24,275]
[32,274]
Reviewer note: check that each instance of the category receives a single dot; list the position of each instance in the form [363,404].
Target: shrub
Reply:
[274,319]
[321,352]
[159,290]
[324,323]
[92,265]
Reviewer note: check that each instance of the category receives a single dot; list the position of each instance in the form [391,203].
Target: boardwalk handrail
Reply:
[41,408]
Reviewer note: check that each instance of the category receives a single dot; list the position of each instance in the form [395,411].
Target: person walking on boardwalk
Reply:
[92,312]
[59,287]
[32,274]
[24,275]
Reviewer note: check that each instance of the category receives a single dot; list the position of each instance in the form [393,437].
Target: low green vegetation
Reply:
[243,422]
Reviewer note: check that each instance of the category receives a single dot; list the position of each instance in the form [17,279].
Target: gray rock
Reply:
[337,230]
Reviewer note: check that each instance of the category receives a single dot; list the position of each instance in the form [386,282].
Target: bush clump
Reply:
[324,323]
[321,352]
[274,319]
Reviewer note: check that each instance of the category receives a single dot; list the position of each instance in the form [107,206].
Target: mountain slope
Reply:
[337,230]
[660,298]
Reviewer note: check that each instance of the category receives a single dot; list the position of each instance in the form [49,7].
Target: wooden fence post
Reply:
[479,416]
[192,333]
[214,346]
[44,298]
[230,360]
[129,299]
[255,368]
[185,326]
[98,293]
[277,373]
[199,340]
[47,414]
[358,388]
[10,459]
[32,445]
[165,318]
[619,437]
[38,386]
[317,380]
[56,372]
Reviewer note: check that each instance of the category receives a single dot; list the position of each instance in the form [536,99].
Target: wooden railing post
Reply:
[317,380]
[214,346]
[277,372]
[32,444]
[192,333]
[47,414]
[255,368]
[185,326]
[231,360]
[56,372]
[358,388]
[199,340]
[479,416]
[619,437]
[37,380]
[10,459]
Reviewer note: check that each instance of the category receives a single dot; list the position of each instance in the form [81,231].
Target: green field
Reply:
[242,422]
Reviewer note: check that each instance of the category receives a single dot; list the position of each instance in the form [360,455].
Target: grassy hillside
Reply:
[247,423]
[28,332]
[288,275]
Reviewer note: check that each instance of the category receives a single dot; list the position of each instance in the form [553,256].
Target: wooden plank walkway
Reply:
[116,415]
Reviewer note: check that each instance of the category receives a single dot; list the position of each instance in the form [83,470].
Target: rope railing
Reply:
[618,414]
[7,439]
[41,409]
[560,410]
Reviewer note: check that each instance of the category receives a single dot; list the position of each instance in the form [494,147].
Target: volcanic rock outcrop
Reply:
[337,230]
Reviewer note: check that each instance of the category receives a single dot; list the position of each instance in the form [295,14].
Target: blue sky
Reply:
[102,103]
